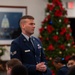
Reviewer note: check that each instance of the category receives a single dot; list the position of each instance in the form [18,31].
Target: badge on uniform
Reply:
[13,53]
[27,50]
[39,47]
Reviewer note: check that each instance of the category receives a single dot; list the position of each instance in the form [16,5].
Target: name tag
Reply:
[13,53]
[27,50]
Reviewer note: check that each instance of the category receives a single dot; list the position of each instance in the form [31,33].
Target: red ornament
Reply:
[50,47]
[55,38]
[66,21]
[50,7]
[67,57]
[47,39]
[62,47]
[41,38]
[46,19]
[47,58]
[41,30]
[63,31]
[57,2]
[67,36]
[70,29]
[58,13]
[53,72]
[50,28]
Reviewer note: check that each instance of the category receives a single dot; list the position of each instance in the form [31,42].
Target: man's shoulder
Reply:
[35,38]
[17,39]
[64,69]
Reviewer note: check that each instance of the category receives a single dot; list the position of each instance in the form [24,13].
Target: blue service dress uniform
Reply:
[28,55]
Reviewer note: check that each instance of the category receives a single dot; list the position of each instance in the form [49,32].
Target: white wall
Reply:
[36,8]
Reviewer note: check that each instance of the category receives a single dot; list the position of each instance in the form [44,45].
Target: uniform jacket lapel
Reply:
[34,44]
[26,43]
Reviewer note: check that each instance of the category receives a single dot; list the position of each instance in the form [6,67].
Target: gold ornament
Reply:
[47,13]
[60,52]
[50,58]
[44,48]
[68,26]
[68,44]
[73,53]
[0,51]
[60,20]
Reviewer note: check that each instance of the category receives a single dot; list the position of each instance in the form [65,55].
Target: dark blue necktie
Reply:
[31,44]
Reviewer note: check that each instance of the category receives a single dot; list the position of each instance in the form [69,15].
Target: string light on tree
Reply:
[47,13]
[50,58]
[73,53]
[45,27]
[69,44]
[60,52]
[60,20]
[66,49]
[44,49]
[57,33]
[70,34]
[68,26]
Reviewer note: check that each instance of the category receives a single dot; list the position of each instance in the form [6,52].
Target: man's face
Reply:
[57,65]
[28,27]
[8,70]
[71,63]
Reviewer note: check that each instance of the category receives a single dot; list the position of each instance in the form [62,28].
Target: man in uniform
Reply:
[28,49]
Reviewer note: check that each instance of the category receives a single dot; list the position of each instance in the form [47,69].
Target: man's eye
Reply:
[32,23]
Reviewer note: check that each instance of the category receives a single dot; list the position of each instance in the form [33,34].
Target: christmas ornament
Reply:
[60,20]
[50,3]
[40,36]
[44,49]
[45,27]
[70,34]
[73,53]
[47,13]
[0,51]
[69,44]
[50,22]
[60,52]
[50,58]
[68,26]
[66,49]
[57,33]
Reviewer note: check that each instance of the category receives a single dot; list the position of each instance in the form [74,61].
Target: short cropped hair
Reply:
[11,63]
[26,17]
[60,60]
[72,58]
[19,70]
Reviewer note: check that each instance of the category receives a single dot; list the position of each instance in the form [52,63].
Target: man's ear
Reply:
[59,64]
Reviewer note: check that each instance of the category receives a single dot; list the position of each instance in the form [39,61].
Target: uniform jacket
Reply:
[29,56]
[63,70]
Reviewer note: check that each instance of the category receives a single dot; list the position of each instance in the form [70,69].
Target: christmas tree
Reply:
[55,32]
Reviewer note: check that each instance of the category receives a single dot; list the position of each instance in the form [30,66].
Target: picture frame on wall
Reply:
[9,23]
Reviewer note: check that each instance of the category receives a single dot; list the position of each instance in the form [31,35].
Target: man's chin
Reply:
[31,33]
